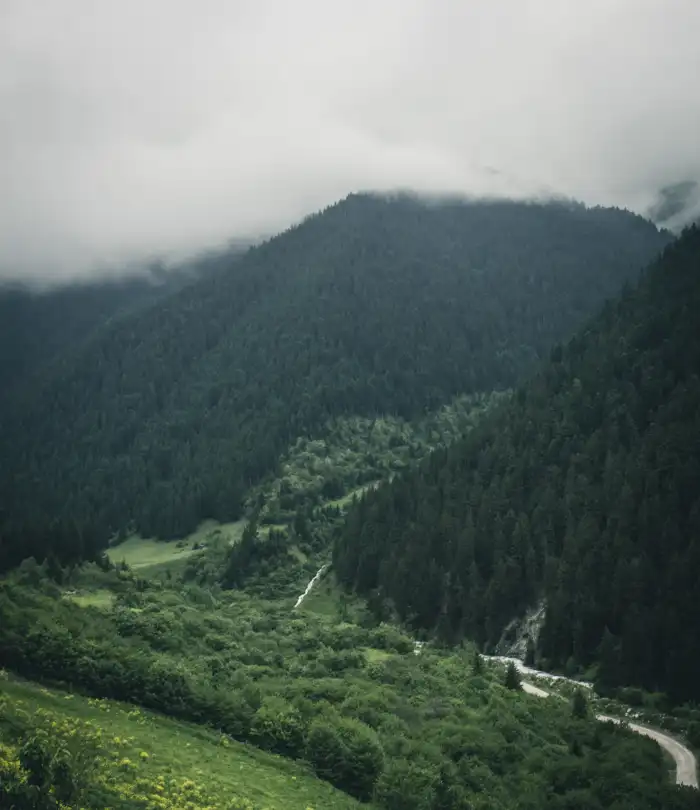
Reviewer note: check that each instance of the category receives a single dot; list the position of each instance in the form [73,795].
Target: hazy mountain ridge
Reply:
[41,324]
[372,306]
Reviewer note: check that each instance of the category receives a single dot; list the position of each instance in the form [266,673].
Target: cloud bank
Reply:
[162,127]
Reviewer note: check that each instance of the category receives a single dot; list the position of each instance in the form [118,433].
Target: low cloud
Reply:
[137,129]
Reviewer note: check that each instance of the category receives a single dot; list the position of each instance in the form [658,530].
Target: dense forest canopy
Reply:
[40,325]
[582,489]
[373,306]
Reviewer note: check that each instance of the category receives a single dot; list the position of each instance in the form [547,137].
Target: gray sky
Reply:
[132,128]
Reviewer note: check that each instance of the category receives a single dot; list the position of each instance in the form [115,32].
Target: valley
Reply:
[686,766]
[260,541]
[684,759]
[262,675]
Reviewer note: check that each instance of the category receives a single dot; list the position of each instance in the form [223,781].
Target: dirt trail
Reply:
[686,763]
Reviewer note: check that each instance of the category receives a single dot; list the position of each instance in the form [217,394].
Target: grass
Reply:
[328,599]
[150,557]
[149,761]
[147,556]
[100,598]
[374,656]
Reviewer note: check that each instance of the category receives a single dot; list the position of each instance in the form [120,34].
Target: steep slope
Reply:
[583,488]
[372,306]
[350,702]
[35,327]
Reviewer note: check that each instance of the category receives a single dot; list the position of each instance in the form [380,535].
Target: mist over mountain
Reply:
[39,324]
[126,135]
[346,348]
[677,205]
[372,306]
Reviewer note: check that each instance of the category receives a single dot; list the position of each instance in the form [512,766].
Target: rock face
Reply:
[521,633]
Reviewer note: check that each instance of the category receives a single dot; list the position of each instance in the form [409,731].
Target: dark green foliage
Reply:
[693,734]
[406,731]
[530,653]
[582,489]
[277,726]
[38,327]
[512,678]
[346,753]
[579,705]
[407,786]
[253,554]
[374,306]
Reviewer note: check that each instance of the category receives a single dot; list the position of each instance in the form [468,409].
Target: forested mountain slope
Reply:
[583,488]
[372,306]
[38,326]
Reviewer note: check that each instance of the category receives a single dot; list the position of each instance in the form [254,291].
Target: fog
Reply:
[130,130]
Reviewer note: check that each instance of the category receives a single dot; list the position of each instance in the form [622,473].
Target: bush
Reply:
[277,726]
[347,754]
[406,786]
[693,734]
[579,705]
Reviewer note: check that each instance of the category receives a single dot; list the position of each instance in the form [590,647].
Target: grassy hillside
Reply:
[325,689]
[370,308]
[145,761]
[582,489]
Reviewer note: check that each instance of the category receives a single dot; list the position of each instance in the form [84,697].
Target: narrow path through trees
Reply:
[686,763]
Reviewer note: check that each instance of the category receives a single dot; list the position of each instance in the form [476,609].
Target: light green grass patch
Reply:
[139,553]
[374,656]
[149,556]
[157,762]
[211,532]
[100,598]
[328,599]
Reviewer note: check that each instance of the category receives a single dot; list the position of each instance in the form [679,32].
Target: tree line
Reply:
[372,307]
[582,489]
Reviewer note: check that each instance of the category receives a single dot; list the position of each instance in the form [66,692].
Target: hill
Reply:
[329,696]
[37,326]
[137,759]
[374,306]
[581,489]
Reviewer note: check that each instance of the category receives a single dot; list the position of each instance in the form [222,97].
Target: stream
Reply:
[311,584]
[686,763]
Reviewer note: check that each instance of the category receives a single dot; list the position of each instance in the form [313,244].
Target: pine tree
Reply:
[579,705]
[512,679]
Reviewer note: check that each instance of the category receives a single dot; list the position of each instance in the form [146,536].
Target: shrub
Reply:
[512,679]
[346,753]
[277,726]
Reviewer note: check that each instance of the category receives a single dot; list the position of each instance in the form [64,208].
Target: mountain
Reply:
[373,306]
[582,490]
[37,326]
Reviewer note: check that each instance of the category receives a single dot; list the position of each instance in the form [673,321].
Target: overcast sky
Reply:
[133,128]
